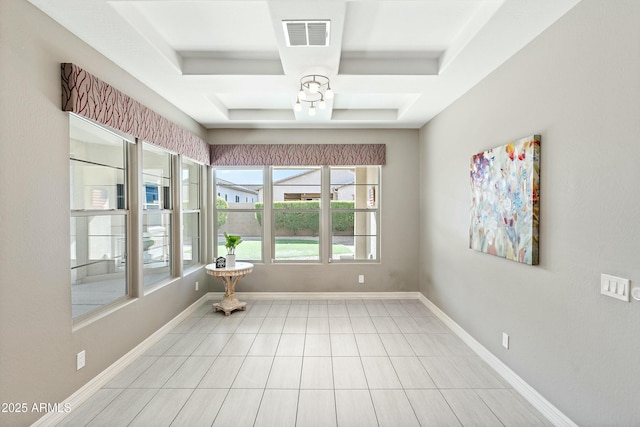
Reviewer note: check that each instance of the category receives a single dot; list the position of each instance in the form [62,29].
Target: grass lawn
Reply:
[285,249]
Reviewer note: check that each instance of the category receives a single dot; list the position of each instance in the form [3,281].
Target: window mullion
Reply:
[134,186]
[176,223]
[325,215]
[202,211]
[210,230]
[268,240]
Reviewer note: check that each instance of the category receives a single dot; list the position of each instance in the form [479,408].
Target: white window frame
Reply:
[375,211]
[325,228]
[214,221]
[127,148]
[174,232]
[199,211]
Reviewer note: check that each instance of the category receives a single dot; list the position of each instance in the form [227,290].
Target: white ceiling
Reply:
[392,64]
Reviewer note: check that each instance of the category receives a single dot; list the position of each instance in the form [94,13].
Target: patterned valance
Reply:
[298,154]
[88,96]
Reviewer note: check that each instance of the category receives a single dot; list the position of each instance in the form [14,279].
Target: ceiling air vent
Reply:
[306,33]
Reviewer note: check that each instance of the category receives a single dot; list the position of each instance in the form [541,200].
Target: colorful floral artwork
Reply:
[505,194]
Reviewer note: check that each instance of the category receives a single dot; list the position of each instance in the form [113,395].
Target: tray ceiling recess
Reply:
[238,63]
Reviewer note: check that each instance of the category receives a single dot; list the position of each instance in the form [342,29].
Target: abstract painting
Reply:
[505,195]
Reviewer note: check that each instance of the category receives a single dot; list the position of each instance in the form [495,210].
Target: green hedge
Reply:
[308,221]
[342,221]
[221,204]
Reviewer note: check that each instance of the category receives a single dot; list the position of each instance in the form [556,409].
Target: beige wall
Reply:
[578,85]
[398,269]
[37,344]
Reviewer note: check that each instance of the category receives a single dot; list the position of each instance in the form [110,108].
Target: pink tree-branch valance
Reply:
[88,96]
[298,154]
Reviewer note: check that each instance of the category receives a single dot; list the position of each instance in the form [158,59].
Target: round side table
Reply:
[230,276]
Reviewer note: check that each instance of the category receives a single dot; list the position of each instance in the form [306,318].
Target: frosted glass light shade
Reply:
[328,94]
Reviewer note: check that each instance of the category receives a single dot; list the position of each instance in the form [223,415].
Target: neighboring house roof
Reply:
[232,186]
[298,175]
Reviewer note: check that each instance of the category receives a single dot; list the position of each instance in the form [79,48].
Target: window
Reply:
[309,214]
[99,216]
[128,203]
[191,240]
[240,218]
[157,214]
[354,212]
[296,213]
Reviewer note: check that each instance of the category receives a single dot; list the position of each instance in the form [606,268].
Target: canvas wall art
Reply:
[505,195]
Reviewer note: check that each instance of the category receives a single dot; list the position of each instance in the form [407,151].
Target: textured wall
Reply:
[578,86]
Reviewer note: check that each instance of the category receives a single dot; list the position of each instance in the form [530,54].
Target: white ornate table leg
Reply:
[230,301]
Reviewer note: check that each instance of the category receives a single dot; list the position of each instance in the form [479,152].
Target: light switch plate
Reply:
[614,287]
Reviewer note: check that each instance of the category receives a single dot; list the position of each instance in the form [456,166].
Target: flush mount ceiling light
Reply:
[314,89]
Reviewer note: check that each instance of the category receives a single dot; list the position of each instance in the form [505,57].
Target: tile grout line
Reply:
[333,376]
[447,349]
[375,412]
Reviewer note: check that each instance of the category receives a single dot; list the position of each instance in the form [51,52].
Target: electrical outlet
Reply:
[80,360]
[197,286]
[505,340]
[361,278]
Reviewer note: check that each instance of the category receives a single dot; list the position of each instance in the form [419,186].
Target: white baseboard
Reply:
[100,380]
[553,414]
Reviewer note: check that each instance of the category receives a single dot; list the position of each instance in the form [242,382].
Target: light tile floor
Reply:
[308,363]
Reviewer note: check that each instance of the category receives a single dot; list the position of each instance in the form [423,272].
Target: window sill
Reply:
[100,313]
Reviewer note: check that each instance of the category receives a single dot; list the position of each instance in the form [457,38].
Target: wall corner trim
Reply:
[553,414]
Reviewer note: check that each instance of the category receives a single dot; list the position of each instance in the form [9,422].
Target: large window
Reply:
[99,213]
[239,210]
[129,202]
[307,214]
[191,244]
[157,214]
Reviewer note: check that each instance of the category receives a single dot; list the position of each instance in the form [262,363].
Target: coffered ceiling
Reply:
[392,64]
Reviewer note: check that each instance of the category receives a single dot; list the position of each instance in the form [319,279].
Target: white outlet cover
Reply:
[80,360]
[505,340]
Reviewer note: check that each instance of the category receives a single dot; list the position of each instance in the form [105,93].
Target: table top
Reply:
[240,269]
